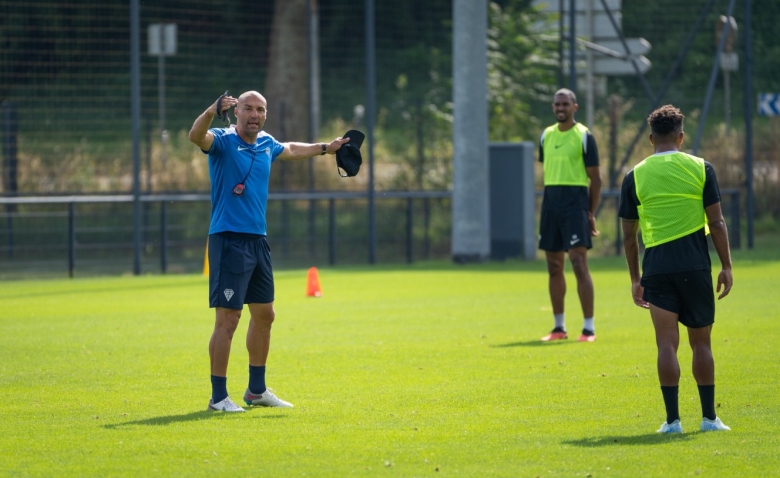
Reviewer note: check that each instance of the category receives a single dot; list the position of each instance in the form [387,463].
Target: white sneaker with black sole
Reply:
[225,405]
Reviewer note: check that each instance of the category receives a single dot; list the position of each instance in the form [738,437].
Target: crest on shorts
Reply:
[228,293]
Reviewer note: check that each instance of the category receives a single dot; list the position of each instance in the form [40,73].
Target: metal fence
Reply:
[66,108]
[89,235]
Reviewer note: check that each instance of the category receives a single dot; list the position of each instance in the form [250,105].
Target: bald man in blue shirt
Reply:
[240,160]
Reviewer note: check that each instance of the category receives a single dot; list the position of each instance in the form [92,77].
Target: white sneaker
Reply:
[674,427]
[708,425]
[265,399]
[225,405]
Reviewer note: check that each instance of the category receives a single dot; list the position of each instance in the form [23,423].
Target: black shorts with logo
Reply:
[562,230]
[688,294]
[240,270]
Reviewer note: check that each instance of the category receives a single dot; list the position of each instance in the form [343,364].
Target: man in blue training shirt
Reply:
[240,160]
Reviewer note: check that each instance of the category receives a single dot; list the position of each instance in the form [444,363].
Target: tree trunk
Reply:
[287,81]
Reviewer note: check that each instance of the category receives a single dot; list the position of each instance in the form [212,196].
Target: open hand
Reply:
[725,281]
[592,221]
[636,293]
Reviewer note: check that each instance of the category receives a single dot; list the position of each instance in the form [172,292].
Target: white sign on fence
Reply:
[162,39]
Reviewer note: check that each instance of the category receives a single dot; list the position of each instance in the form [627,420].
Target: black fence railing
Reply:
[97,230]
[94,233]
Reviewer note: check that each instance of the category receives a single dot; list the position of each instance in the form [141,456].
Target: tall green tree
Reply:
[521,69]
[287,81]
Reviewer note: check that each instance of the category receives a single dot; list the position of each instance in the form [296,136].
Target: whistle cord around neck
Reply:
[250,168]
[238,189]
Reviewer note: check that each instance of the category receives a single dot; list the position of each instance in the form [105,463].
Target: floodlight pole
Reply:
[135,115]
[560,42]
[713,77]
[312,94]
[748,85]
[470,162]
[572,46]
[589,69]
[161,90]
[370,115]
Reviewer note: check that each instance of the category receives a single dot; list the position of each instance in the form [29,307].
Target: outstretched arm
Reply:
[720,239]
[631,249]
[296,151]
[199,133]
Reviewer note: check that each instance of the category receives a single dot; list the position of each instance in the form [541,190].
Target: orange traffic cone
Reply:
[313,283]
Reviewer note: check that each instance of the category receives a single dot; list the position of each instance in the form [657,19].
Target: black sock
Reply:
[257,379]
[218,389]
[670,402]
[707,397]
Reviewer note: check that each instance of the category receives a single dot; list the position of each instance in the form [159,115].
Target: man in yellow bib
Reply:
[572,189]
[673,198]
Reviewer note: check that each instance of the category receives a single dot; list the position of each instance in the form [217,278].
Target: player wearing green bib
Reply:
[672,197]
[572,188]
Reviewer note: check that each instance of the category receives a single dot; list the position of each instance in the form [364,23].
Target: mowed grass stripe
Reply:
[394,371]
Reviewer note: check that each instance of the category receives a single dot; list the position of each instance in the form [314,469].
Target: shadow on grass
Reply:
[649,439]
[190,417]
[534,343]
[79,289]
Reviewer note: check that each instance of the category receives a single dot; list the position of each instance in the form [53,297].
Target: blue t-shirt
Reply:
[230,160]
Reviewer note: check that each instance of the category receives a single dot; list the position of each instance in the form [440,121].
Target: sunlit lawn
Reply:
[433,369]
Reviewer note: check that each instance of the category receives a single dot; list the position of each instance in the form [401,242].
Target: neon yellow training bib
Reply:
[670,188]
[563,158]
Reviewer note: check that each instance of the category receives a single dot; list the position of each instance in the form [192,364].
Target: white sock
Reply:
[559,322]
[588,324]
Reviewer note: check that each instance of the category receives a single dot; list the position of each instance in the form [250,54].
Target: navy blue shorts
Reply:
[562,230]
[688,294]
[240,270]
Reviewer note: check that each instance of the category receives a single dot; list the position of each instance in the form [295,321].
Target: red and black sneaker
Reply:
[587,336]
[558,333]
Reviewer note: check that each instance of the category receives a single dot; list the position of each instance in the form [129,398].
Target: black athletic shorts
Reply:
[688,294]
[562,230]
[240,270]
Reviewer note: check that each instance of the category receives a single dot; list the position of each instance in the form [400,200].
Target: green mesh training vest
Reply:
[563,161]
[670,188]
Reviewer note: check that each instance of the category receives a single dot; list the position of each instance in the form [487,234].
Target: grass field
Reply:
[428,370]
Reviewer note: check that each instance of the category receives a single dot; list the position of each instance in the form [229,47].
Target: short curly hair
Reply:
[666,121]
[567,92]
